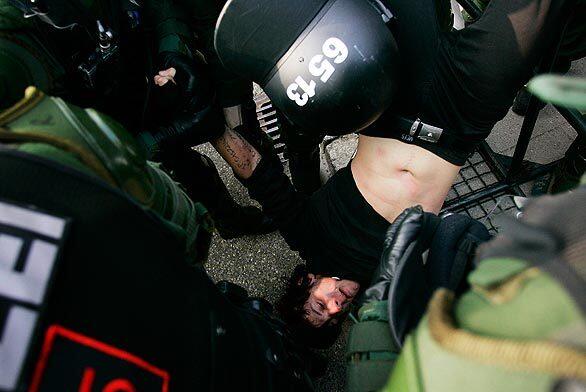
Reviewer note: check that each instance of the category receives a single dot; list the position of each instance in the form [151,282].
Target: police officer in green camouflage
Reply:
[109,235]
[95,144]
[109,299]
[85,140]
[98,54]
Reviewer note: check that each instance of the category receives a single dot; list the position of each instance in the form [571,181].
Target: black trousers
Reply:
[465,81]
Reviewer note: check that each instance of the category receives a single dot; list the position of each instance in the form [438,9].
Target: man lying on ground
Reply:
[463,82]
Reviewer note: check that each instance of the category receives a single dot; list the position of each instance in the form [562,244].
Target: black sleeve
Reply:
[478,70]
[289,209]
[231,89]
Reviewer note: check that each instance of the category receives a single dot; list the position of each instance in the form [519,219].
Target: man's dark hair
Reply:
[290,307]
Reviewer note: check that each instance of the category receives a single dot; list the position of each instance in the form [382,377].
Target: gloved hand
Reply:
[186,129]
[400,277]
[190,119]
[404,280]
[400,237]
[188,77]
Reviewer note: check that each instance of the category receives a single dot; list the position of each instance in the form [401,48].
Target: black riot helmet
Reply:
[328,65]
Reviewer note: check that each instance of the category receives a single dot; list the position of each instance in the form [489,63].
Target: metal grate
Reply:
[475,175]
[269,122]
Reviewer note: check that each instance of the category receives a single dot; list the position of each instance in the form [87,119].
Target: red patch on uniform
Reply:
[72,361]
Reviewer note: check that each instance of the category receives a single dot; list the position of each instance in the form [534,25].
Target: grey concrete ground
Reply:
[261,263]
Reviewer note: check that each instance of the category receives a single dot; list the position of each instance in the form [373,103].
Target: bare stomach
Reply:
[392,176]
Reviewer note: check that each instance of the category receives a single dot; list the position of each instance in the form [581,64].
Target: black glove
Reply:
[192,81]
[400,276]
[190,119]
[402,233]
[186,129]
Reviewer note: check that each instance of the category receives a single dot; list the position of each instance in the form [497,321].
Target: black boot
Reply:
[199,176]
